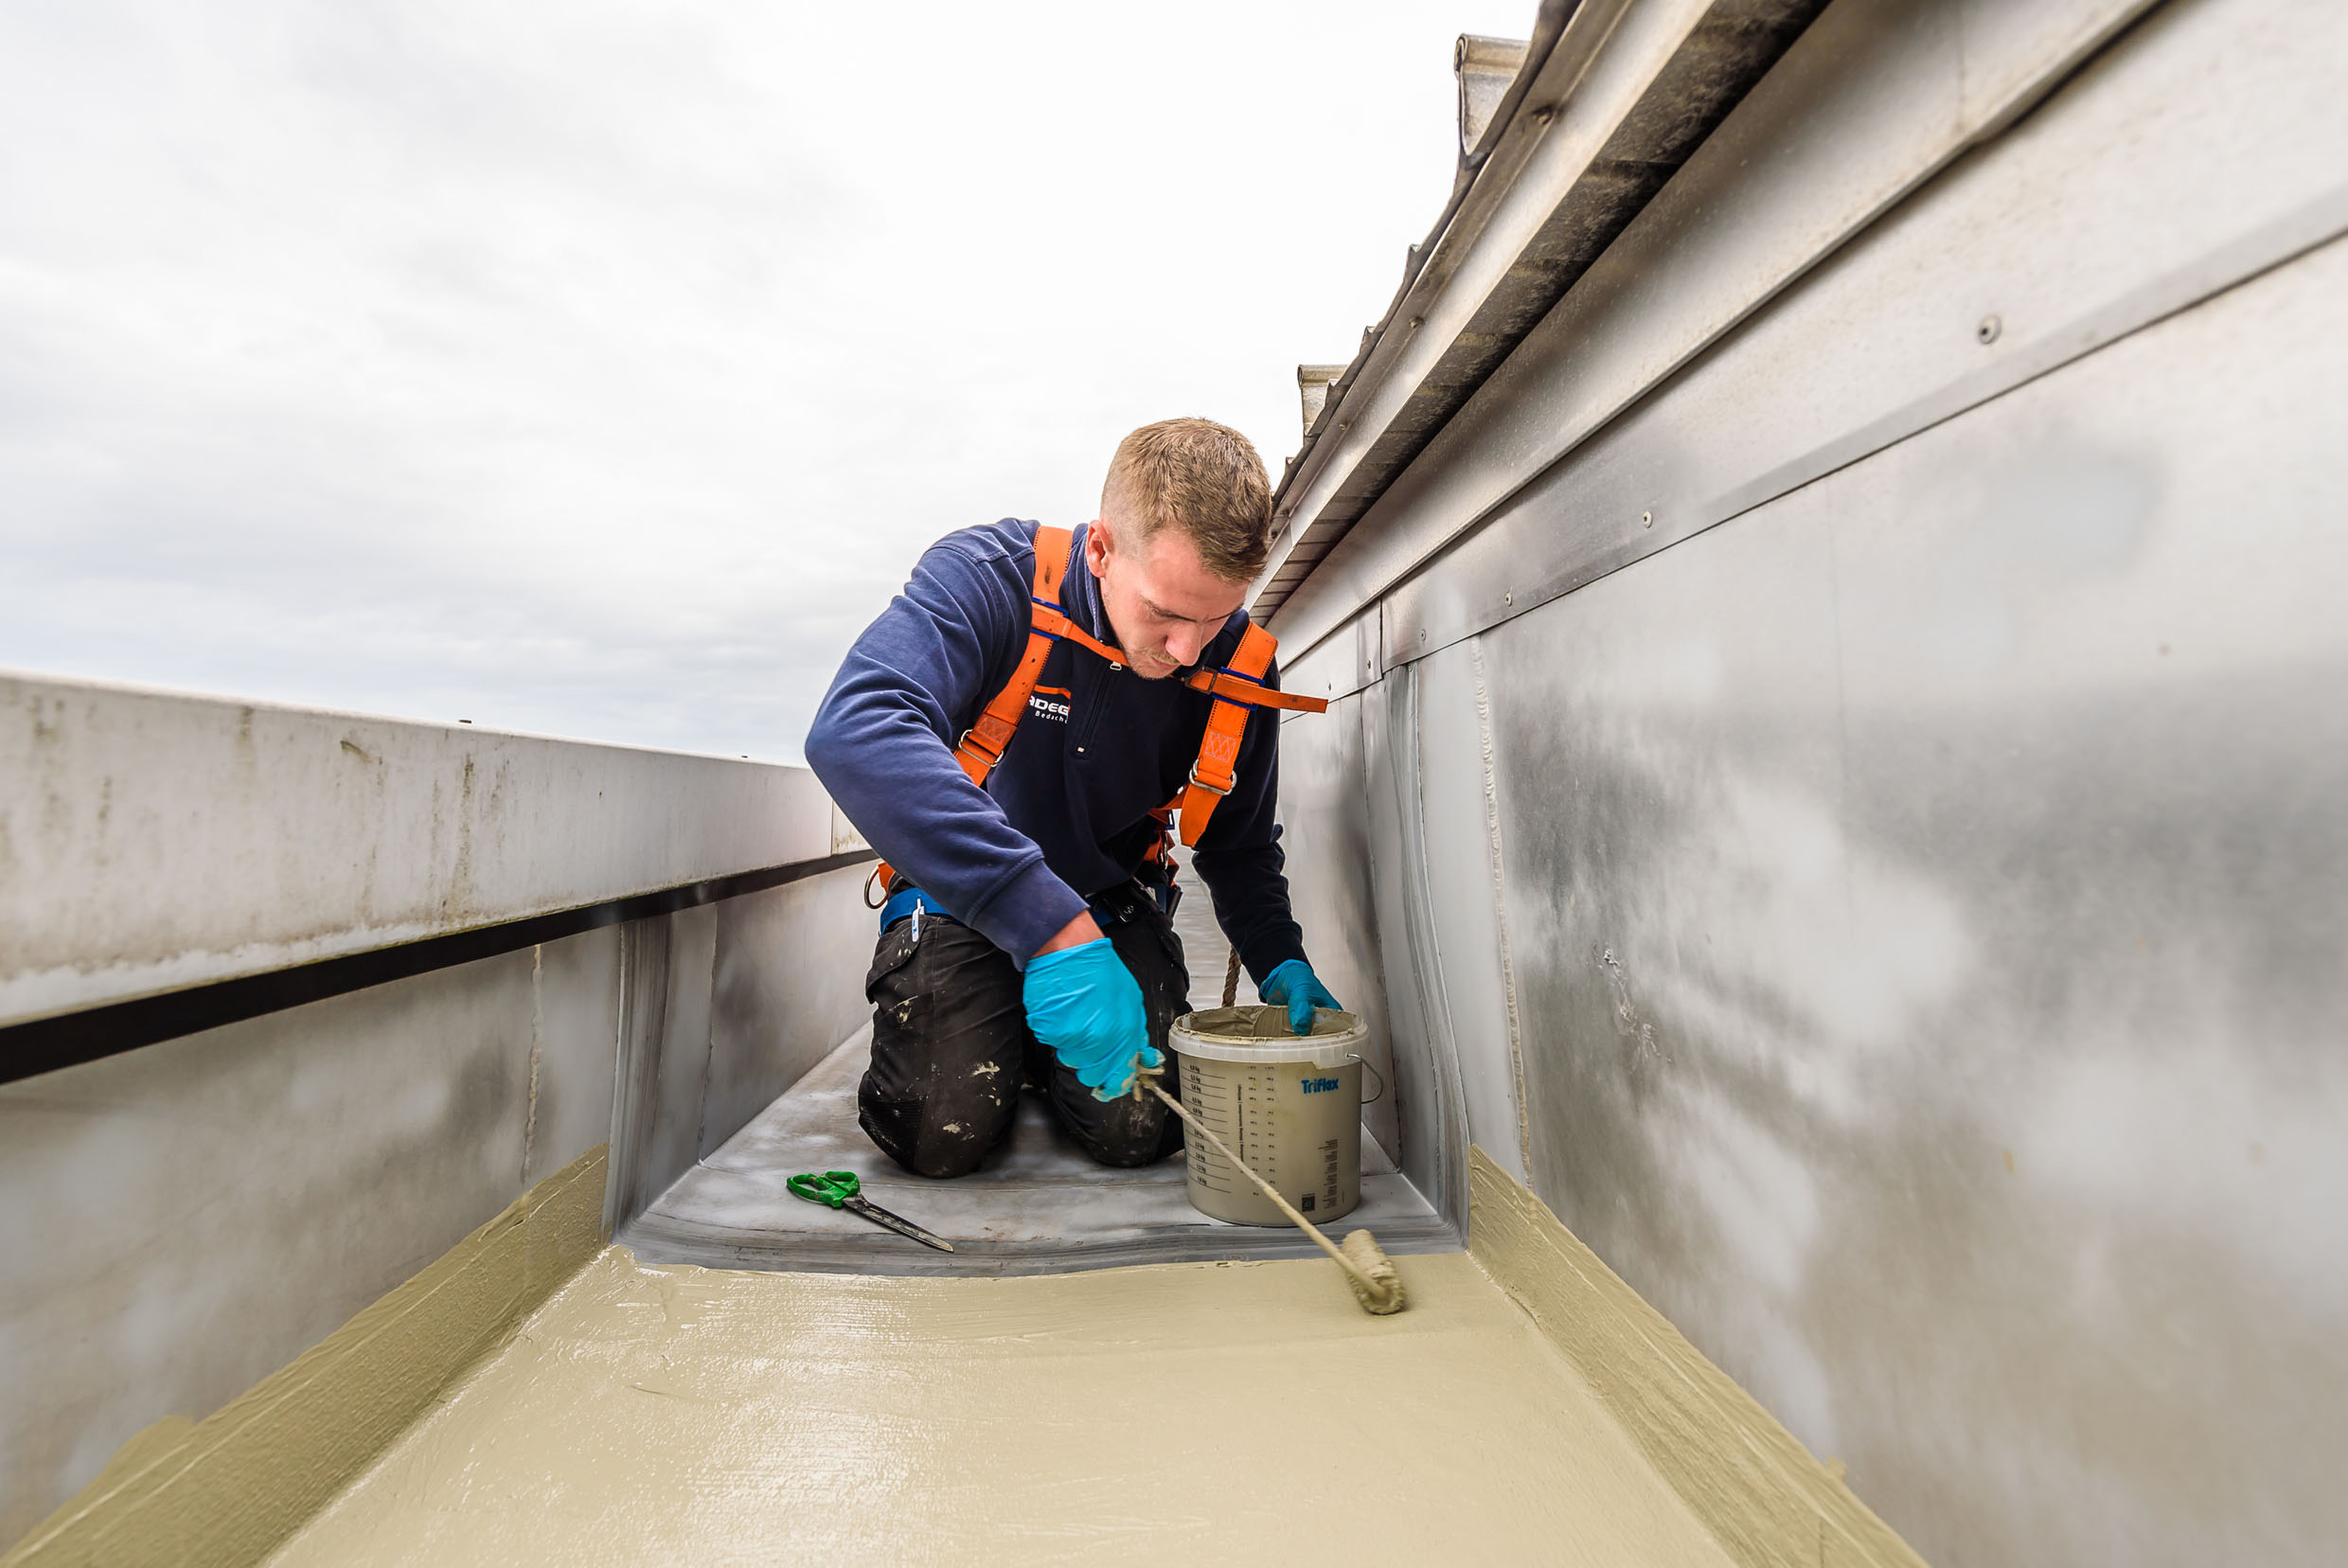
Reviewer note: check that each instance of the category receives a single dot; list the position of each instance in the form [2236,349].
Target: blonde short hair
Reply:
[1206,479]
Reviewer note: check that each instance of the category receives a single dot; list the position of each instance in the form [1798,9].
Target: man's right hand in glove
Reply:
[1083,1002]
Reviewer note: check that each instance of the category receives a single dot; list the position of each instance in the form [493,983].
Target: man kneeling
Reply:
[1014,736]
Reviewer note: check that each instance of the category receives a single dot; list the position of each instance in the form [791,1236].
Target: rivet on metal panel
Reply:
[1422,633]
[1647,520]
[1989,328]
[1508,597]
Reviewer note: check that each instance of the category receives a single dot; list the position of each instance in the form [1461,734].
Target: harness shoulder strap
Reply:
[1213,774]
[1238,688]
[981,748]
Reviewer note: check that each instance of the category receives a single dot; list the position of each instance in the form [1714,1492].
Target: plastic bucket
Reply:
[1289,1105]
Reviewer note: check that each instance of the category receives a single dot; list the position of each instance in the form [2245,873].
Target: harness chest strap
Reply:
[1238,687]
[1213,774]
[982,746]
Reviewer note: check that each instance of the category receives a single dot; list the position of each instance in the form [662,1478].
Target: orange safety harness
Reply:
[1238,688]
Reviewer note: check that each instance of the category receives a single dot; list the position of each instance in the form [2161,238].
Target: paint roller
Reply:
[1377,1284]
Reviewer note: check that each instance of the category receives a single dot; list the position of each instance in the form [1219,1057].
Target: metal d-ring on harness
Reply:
[1238,688]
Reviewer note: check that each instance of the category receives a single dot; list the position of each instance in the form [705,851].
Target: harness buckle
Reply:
[1201,784]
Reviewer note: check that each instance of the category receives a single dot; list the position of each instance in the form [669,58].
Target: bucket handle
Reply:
[1375,1074]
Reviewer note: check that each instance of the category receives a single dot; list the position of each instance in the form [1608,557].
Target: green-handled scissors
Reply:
[840,1189]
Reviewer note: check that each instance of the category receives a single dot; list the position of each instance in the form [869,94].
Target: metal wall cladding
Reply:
[183,1220]
[154,841]
[1325,823]
[189,1217]
[1466,919]
[1428,1095]
[787,987]
[1926,907]
[1920,915]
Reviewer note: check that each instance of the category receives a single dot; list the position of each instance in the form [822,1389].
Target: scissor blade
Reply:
[879,1216]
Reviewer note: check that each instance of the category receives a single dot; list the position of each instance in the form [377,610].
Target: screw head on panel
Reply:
[1508,599]
[1647,520]
[1988,330]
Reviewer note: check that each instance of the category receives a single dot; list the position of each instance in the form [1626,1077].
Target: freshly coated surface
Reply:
[1190,1413]
[1760,1492]
[1036,1206]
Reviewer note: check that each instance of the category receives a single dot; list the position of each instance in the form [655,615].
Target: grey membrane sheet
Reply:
[1037,1205]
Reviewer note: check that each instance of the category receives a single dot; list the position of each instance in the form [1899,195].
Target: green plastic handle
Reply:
[834,1187]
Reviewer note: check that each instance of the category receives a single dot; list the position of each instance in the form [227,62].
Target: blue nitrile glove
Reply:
[1295,984]
[1083,1002]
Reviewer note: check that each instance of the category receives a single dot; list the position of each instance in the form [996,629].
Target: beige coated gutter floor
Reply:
[1189,1412]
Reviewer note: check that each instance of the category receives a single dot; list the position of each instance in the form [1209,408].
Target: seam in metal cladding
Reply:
[67,1040]
[2319,222]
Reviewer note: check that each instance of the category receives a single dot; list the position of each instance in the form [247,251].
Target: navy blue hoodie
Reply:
[1066,813]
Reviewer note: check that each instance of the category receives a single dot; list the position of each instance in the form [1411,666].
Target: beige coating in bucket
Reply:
[1289,1106]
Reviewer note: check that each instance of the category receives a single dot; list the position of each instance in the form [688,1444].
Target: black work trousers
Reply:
[950,1045]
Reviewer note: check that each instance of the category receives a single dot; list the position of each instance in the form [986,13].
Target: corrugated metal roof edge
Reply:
[1549,25]
[1568,36]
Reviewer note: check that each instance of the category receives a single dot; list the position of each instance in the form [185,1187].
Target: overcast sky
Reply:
[599,368]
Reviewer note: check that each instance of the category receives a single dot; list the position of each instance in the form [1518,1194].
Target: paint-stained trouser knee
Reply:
[949,1043]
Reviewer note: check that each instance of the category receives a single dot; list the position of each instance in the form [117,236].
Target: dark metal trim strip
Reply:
[66,1040]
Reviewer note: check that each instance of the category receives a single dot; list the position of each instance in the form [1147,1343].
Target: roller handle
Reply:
[1310,1229]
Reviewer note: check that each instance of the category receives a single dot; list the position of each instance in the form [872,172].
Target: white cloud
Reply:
[600,368]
